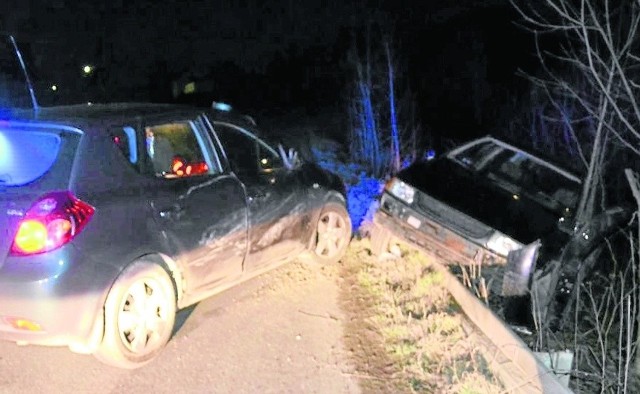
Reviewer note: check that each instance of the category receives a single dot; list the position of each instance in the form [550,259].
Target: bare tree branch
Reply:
[598,69]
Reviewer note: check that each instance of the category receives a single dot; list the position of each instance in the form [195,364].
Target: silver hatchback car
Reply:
[113,217]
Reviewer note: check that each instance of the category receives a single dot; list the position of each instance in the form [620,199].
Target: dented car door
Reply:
[201,210]
[277,212]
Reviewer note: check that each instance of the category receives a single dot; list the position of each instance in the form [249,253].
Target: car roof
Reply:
[84,116]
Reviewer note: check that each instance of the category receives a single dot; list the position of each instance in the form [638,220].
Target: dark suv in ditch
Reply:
[114,216]
[489,202]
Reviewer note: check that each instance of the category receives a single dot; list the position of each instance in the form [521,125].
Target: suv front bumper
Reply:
[419,231]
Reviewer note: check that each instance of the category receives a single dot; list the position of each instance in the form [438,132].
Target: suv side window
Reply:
[246,154]
[177,150]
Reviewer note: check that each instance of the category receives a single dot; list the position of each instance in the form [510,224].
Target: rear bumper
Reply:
[421,232]
[62,308]
[53,322]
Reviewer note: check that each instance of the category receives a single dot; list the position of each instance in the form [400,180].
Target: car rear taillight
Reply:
[50,223]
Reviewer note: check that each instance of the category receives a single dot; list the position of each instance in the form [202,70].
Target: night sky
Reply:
[458,57]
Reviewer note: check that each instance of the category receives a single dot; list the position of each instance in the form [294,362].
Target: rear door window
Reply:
[26,156]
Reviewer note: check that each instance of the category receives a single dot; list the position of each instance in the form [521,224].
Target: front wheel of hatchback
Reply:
[139,316]
[332,234]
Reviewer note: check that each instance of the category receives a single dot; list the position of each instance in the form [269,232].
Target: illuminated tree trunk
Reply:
[395,138]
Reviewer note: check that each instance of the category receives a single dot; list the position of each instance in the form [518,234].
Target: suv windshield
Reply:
[25,156]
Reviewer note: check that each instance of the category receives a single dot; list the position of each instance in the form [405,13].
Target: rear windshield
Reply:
[26,156]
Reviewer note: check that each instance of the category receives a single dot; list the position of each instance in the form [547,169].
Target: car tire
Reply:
[332,234]
[139,316]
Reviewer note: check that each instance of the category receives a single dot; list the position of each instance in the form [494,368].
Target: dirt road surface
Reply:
[278,333]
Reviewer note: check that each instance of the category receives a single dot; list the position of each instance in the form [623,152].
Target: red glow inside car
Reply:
[180,167]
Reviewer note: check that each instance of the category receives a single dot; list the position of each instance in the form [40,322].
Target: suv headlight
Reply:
[502,244]
[401,190]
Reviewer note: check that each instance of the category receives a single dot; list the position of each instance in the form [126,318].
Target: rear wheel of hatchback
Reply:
[139,316]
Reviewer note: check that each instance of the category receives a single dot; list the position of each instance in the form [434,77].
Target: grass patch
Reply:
[405,332]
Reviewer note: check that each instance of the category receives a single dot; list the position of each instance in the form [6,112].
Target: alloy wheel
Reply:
[332,234]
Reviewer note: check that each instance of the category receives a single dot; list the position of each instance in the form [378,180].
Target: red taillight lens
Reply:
[50,223]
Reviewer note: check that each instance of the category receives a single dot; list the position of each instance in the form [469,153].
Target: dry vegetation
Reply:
[404,330]
[600,331]
[600,335]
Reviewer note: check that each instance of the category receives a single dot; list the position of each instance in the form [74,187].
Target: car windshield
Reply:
[521,174]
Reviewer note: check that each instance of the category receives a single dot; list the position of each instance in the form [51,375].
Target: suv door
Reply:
[201,210]
[277,210]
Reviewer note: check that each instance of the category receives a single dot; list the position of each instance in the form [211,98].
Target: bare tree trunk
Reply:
[380,115]
[600,41]
[589,188]
[367,146]
[395,139]
[632,178]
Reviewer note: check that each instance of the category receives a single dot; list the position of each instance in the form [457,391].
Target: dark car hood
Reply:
[521,218]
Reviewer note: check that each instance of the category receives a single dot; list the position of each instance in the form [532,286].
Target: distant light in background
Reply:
[54,88]
[189,88]
[87,69]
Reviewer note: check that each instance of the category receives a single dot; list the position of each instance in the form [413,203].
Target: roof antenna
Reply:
[26,74]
